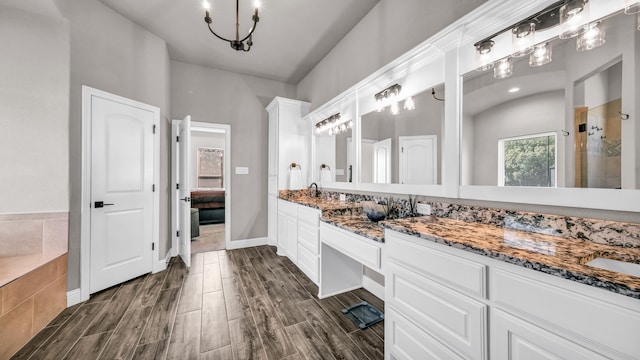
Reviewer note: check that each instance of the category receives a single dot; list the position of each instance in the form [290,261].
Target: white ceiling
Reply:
[290,39]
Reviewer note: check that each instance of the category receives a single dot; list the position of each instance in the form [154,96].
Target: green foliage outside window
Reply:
[530,161]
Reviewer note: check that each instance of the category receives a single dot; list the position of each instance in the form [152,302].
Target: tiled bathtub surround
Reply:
[30,302]
[28,241]
[598,231]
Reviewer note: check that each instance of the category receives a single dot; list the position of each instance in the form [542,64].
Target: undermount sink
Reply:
[616,265]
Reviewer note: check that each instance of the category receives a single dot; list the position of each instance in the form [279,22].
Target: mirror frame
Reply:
[449,55]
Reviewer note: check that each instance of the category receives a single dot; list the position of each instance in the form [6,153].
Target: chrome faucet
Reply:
[317,193]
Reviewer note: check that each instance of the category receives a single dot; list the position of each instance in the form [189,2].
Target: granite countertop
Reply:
[355,221]
[553,255]
[321,203]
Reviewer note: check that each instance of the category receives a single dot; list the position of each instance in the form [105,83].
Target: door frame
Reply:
[85,197]
[210,127]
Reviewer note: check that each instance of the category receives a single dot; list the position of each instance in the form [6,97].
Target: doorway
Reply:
[207,178]
[120,196]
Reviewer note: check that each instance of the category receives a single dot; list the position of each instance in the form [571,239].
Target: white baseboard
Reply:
[73,297]
[240,244]
[272,242]
[373,287]
[161,265]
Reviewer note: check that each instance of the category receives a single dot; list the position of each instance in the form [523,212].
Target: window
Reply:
[528,161]
[210,168]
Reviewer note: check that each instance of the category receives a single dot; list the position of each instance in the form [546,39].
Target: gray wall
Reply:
[207,140]
[389,30]
[34,109]
[110,53]
[216,96]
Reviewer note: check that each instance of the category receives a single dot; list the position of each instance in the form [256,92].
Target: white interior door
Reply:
[418,159]
[184,191]
[122,199]
[382,162]
[366,162]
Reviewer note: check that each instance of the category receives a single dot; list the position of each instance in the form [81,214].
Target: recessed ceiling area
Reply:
[290,39]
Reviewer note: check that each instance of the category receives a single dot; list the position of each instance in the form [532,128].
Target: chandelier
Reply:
[237,43]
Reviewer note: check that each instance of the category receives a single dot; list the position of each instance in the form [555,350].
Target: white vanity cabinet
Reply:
[442,295]
[474,307]
[298,236]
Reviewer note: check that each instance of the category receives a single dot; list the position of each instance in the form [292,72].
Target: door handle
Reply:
[99,204]
[186,199]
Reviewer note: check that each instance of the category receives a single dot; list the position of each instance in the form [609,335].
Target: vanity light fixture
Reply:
[237,43]
[631,6]
[541,55]
[389,94]
[334,125]
[592,38]
[514,89]
[574,18]
[503,68]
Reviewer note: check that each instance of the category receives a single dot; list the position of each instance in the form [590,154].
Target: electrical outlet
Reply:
[423,209]
[343,197]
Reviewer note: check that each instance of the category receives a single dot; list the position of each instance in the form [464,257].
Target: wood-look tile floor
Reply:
[238,304]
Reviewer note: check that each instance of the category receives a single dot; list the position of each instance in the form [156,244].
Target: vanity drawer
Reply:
[612,327]
[358,248]
[308,237]
[288,208]
[309,216]
[308,263]
[449,316]
[458,273]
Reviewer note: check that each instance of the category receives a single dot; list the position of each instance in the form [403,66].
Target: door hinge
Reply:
[153,187]
[177,186]
[178,233]
[153,246]
[177,138]
[154,128]
[402,149]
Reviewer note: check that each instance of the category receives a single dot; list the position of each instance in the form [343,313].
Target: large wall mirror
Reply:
[402,143]
[558,123]
[334,143]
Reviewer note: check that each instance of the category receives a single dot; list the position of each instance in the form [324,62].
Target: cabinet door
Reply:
[451,317]
[287,235]
[516,339]
[291,246]
[405,341]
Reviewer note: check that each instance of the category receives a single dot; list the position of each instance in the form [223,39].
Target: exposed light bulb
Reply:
[522,39]
[574,15]
[350,124]
[379,106]
[394,108]
[206,5]
[409,104]
[257,4]
[541,55]
[592,38]
[503,68]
